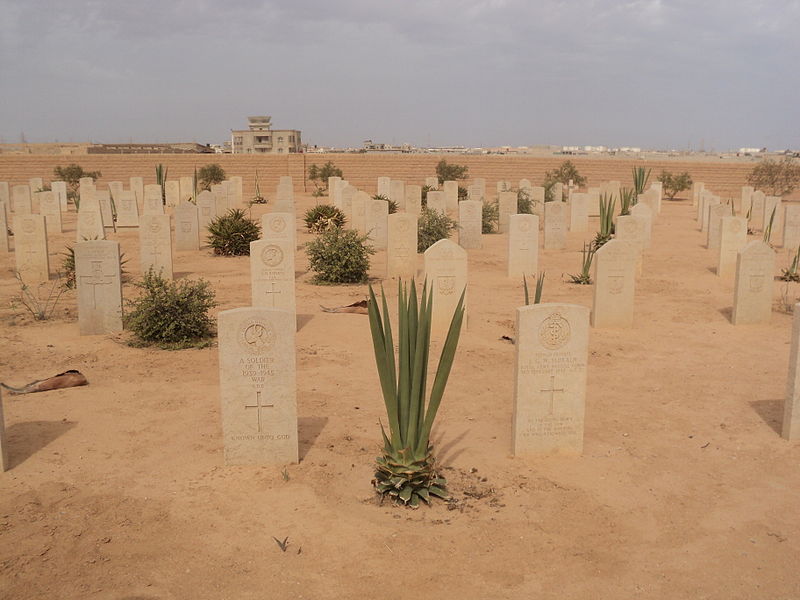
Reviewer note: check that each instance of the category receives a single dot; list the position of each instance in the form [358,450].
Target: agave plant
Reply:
[537,294]
[585,276]
[406,470]
[768,228]
[607,204]
[640,177]
[161,179]
[627,200]
[792,273]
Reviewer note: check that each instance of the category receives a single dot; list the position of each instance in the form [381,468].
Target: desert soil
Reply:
[685,488]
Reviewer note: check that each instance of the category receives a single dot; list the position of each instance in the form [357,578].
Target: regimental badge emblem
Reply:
[272,255]
[554,332]
[257,336]
[277,224]
[525,226]
[186,227]
[616,283]
[446,285]
[756,282]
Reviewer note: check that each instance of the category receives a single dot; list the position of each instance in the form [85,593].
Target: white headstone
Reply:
[436,201]
[715,214]
[30,248]
[644,215]
[791,227]
[397,193]
[614,284]
[90,225]
[187,227]
[450,189]
[579,213]
[507,204]
[50,208]
[206,211]
[60,190]
[377,226]
[413,203]
[401,254]
[470,224]
[790,428]
[127,209]
[99,284]
[555,227]
[21,200]
[272,264]
[446,273]
[172,193]
[752,298]
[155,241]
[153,203]
[523,246]
[733,237]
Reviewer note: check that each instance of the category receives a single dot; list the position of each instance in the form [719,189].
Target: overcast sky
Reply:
[658,74]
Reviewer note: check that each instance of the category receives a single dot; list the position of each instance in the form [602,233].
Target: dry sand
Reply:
[685,489]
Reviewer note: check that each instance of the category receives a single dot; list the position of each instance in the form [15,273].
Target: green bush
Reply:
[448,172]
[425,190]
[433,226]
[563,174]
[339,256]
[524,202]
[674,184]
[210,175]
[778,178]
[319,175]
[491,217]
[323,217]
[72,175]
[171,314]
[231,234]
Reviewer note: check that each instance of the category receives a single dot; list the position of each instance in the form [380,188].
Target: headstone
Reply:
[757,201]
[377,226]
[4,246]
[272,264]
[172,193]
[650,199]
[791,226]
[104,199]
[359,212]
[115,188]
[5,195]
[481,183]
[708,200]
[523,246]
[137,187]
[474,192]
[446,273]
[537,199]
[470,224]
[558,192]
[507,204]
[236,190]
[790,428]
[258,386]
[206,209]
[187,227]
[752,299]
[286,180]
[579,213]
[346,195]
[555,228]
[629,229]
[99,283]
[36,184]
[436,201]
[127,209]
[594,201]
[552,352]
[331,185]
[21,201]
[220,193]
[60,190]
[384,186]
[185,188]
[525,185]
[614,281]
[745,198]
[715,214]
[155,242]
[401,254]
[732,238]
[413,202]
[284,198]
[50,208]
[30,248]
[153,203]
[397,193]
[644,215]
[450,189]
[433,182]
[90,225]
[697,188]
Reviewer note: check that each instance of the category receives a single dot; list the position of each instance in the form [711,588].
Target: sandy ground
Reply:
[685,489]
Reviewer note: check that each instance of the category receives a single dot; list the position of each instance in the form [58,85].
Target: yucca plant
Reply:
[607,204]
[161,179]
[537,294]
[230,234]
[640,178]
[768,228]
[406,471]
[585,276]
[627,200]
[792,273]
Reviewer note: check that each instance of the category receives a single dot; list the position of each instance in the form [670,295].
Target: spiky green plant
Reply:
[406,471]
[627,200]
[768,228]
[585,276]
[194,186]
[537,294]
[392,204]
[230,234]
[640,178]
[161,179]
[792,273]
[607,204]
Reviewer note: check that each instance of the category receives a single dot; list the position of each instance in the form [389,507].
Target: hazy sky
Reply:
[650,73]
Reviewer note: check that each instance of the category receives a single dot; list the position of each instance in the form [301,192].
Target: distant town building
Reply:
[260,138]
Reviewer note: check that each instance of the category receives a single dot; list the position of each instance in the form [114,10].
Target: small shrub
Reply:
[231,234]
[585,276]
[449,172]
[209,175]
[319,175]
[40,302]
[171,314]
[779,178]
[491,217]
[524,202]
[392,203]
[339,256]
[463,193]
[71,175]
[674,184]
[433,226]
[563,174]
[425,190]
[323,217]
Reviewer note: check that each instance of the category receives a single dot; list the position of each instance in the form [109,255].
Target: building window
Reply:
[280,139]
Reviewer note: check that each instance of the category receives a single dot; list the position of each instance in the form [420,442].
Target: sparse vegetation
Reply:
[537,294]
[319,176]
[585,276]
[607,204]
[524,202]
[627,200]
[209,175]
[563,174]
[323,217]
[433,226]
[171,314]
[339,256]
[392,203]
[640,179]
[230,234]
[674,184]
[406,471]
[41,301]
[425,190]
[490,217]
[792,273]
[450,172]
[258,197]
[778,178]
[161,179]
[72,175]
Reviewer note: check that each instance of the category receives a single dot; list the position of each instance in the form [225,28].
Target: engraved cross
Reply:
[95,279]
[258,406]
[552,391]
[270,293]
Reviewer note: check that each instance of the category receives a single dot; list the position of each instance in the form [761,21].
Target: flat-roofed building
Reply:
[260,138]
